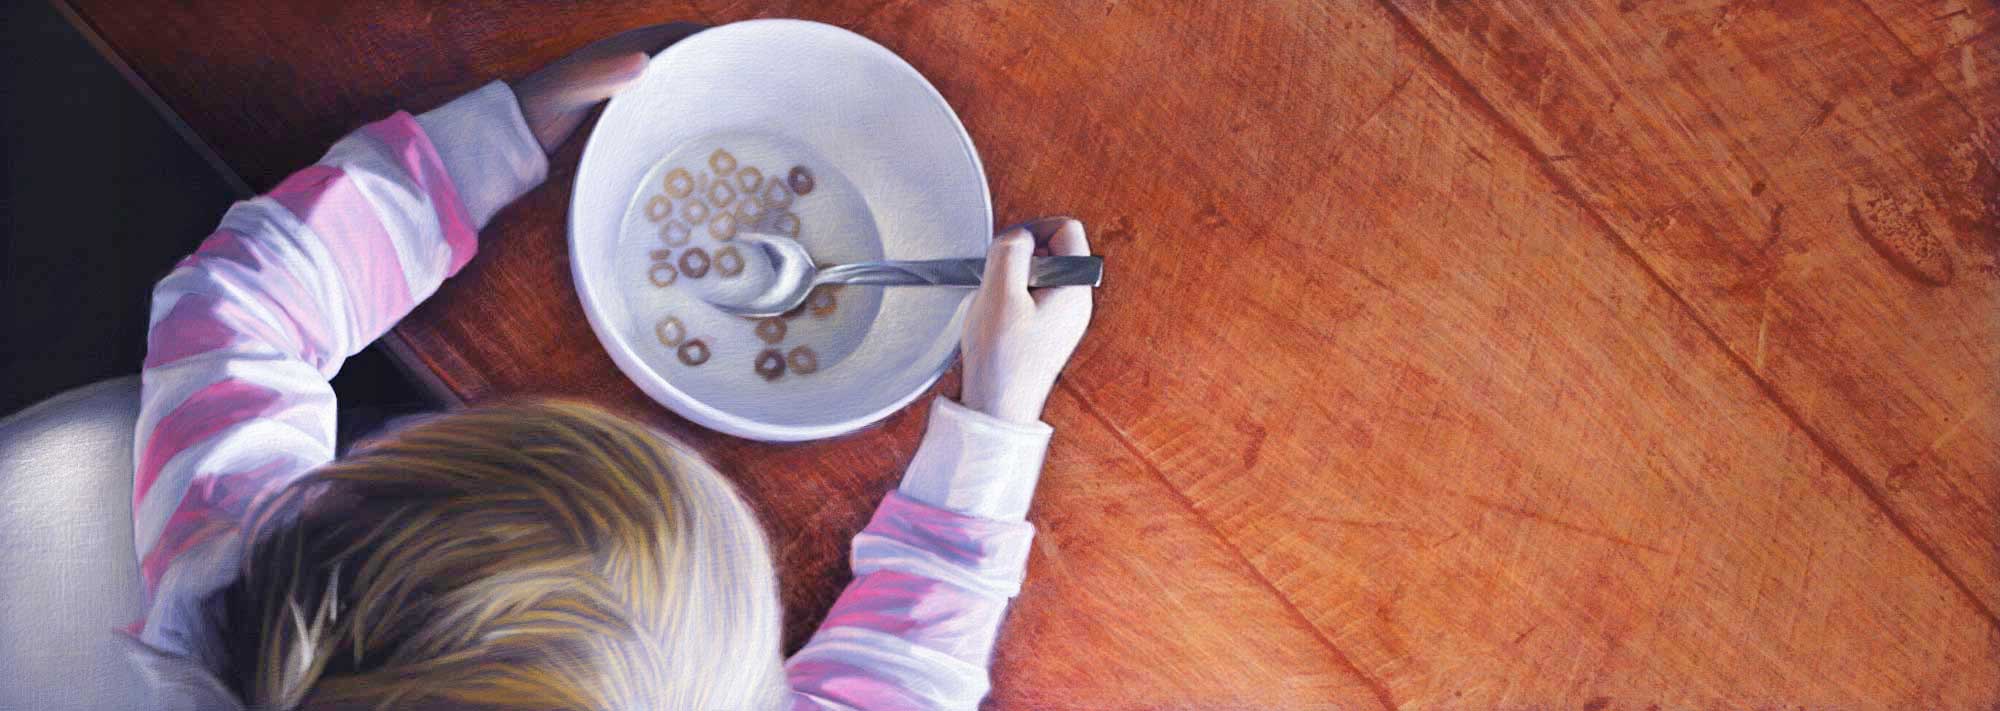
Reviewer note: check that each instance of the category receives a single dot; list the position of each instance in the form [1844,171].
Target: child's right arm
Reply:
[935,568]
[246,332]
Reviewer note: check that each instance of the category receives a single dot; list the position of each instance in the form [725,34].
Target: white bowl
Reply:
[892,175]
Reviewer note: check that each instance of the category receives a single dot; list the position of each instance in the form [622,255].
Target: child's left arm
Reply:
[246,331]
[938,564]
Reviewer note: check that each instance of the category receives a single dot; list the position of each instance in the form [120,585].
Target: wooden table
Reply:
[1612,355]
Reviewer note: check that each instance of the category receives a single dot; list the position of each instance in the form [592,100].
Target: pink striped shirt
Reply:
[246,331]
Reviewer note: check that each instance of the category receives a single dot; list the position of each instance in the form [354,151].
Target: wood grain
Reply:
[1957,42]
[1451,355]
[1821,203]
[1128,581]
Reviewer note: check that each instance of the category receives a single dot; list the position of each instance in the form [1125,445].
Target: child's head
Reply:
[535,556]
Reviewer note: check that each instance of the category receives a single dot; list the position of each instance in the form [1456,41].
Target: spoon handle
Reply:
[1042,271]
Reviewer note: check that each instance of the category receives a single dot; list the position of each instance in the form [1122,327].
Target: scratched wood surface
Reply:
[1848,269]
[1596,355]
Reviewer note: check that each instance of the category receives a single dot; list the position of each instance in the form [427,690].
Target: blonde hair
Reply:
[545,555]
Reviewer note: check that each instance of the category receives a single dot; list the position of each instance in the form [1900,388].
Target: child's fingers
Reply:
[651,40]
[1007,262]
[600,79]
[1068,240]
[620,72]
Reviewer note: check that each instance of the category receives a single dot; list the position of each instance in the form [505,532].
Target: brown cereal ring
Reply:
[720,194]
[787,223]
[776,195]
[721,161]
[659,208]
[662,274]
[693,352]
[771,330]
[694,262]
[679,184]
[821,303]
[695,212]
[723,226]
[675,233]
[670,331]
[800,180]
[803,360]
[771,364]
[728,261]
[749,179]
[748,210]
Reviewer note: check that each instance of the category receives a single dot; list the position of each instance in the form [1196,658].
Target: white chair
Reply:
[68,573]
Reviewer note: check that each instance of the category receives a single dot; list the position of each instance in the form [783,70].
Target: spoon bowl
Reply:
[791,277]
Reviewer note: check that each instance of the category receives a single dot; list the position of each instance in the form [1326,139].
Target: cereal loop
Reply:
[662,274]
[803,360]
[750,179]
[771,364]
[670,331]
[771,330]
[721,194]
[659,208]
[787,223]
[821,303]
[728,261]
[800,179]
[695,212]
[675,233]
[723,227]
[721,161]
[693,352]
[776,195]
[679,184]
[694,262]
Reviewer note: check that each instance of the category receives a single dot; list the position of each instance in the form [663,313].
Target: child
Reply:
[541,555]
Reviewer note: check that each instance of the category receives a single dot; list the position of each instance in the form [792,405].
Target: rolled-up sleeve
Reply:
[934,571]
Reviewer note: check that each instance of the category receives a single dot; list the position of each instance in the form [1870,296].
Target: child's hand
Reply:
[1016,341]
[556,98]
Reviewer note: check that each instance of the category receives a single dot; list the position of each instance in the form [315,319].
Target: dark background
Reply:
[104,194]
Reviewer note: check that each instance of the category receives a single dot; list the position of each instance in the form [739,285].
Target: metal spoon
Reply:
[795,275]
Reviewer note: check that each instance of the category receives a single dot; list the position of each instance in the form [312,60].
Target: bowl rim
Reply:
[634,367]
